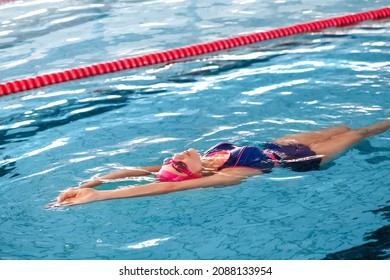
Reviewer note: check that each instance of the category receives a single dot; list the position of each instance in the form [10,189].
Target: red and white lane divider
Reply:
[188,51]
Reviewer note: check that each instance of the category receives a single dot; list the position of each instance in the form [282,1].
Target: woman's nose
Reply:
[178,156]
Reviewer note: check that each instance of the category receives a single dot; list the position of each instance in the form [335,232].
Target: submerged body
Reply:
[227,164]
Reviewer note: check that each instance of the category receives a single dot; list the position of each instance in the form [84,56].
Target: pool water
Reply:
[55,137]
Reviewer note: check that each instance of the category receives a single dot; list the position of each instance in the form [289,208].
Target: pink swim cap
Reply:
[166,176]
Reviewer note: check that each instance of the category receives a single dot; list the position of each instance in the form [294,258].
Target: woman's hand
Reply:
[74,196]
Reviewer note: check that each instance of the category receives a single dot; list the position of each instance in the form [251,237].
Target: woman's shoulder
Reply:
[222,146]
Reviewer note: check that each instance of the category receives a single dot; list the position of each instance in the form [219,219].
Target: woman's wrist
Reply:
[90,184]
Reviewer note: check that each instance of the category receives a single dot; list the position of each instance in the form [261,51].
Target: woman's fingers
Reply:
[69,193]
[52,205]
[66,198]
[56,204]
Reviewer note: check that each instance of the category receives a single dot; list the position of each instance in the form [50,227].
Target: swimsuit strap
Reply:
[269,154]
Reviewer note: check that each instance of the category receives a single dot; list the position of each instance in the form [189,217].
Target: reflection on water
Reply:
[377,246]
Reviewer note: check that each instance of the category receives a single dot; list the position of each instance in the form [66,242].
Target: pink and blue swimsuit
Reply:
[298,157]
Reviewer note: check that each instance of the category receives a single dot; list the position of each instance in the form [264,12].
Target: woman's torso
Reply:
[298,157]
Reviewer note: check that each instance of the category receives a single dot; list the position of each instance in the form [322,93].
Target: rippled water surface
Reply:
[55,137]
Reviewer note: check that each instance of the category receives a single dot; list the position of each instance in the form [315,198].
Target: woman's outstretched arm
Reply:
[230,176]
[125,173]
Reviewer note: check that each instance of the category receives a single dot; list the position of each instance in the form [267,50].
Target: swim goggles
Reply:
[180,166]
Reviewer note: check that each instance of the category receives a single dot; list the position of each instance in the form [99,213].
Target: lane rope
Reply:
[187,51]
[6,1]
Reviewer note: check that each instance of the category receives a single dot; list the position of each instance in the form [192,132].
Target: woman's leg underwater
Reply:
[312,137]
[338,143]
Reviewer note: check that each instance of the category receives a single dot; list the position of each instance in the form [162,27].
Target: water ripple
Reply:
[42,21]
[20,126]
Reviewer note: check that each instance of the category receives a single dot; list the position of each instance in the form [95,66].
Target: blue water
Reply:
[55,137]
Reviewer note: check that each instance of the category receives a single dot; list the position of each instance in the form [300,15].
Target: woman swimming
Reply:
[227,164]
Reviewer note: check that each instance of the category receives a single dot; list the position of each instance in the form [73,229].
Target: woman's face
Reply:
[190,157]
